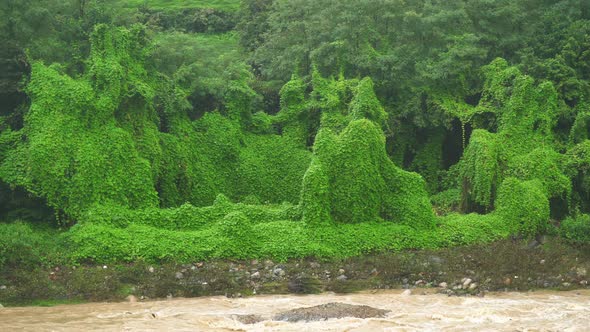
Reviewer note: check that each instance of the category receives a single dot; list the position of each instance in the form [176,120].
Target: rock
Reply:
[407,292]
[151,269]
[254,262]
[435,260]
[255,275]
[3,287]
[374,272]
[533,244]
[466,282]
[179,275]
[342,278]
[507,281]
[341,271]
[105,267]
[584,283]
[314,265]
[328,311]
[443,285]
[542,262]
[405,280]
[131,299]
[420,282]
[200,264]
[436,317]
[473,286]
[581,272]
[279,272]
[248,319]
[566,284]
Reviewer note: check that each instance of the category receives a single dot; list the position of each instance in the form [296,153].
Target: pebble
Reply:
[151,269]
[255,275]
[466,282]
[3,287]
[279,272]
[341,271]
[179,275]
[584,282]
[566,284]
[314,265]
[342,278]
[542,261]
[419,282]
[104,267]
[473,286]
[407,292]
[443,285]
[581,272]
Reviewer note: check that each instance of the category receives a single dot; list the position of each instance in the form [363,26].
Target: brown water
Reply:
[537,311]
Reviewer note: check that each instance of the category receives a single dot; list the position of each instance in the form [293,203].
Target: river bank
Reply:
[470,271]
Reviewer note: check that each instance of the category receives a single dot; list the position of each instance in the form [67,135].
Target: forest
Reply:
[194,130]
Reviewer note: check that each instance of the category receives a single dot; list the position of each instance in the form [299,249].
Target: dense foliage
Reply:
[191,130]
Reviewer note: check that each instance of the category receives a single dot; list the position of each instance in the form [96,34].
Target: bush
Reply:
[576,229]
[363,183]
[236,235]
[187,216]
[25,247]
[447,201]
[523,205]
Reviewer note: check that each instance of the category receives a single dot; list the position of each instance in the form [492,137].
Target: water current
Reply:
[531,311]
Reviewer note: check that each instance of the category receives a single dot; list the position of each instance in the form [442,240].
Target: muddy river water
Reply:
[532,311]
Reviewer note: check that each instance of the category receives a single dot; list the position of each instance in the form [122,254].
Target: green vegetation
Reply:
[173,5]
[196,130]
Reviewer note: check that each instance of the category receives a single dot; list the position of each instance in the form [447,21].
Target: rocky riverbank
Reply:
[468,271]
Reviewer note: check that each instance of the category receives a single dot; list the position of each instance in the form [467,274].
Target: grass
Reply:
[225,5]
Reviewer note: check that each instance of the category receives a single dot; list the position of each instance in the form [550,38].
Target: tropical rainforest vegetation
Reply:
[198,129]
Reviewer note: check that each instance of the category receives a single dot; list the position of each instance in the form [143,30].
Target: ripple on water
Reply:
[538,311]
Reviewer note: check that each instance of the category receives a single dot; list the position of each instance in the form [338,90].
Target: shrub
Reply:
[576,229]
[25,247]
[524,205]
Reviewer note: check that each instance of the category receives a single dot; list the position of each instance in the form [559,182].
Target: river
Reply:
[532,311]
